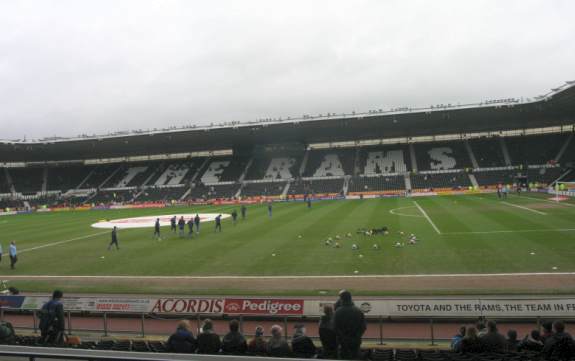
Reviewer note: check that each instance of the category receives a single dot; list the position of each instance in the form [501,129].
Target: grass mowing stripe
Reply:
[427,217]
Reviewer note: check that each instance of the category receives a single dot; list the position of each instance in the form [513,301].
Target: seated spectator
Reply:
[234,342]
[471,342]
[258,345]
[481,329]
[512,341]
[532,342]
[493,341]
[208,340]
[560,345]
[183,340]
[327,333]
[277,345]
[456,340]
[547,327]
[301,345]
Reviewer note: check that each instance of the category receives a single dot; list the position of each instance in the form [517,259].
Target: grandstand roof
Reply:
[553,109]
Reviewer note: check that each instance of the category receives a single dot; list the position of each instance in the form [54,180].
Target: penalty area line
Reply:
[548,201]
[61,242]
[514,231]
[525,208]
[427,217]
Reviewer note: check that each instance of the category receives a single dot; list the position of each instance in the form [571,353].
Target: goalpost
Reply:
[566,189]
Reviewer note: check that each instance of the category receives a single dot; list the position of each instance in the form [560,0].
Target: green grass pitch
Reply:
[459,234]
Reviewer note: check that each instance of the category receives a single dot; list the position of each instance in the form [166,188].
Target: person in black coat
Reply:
[182,341]
[234,342]
[208,341]
[349,323]
[327,334]
[471,343]
[302,346]
[560,345]
[531,342]
[493,341]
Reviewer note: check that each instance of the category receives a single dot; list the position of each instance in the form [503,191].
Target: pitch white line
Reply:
[525,208]
[291,277]
[549,201]
[61,242]
[427,217]
[392,211]
[515,231]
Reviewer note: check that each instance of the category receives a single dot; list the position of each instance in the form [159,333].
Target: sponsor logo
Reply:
[188,305]
[264,306]
[365,307]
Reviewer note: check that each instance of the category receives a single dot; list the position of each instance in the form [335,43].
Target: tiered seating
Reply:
[544,175]
[123,196]
[377,183]
[324,186]
[4,186]
[202,191]
[46,200]
[10,203]
[99,175]
[332,162]
[491,178]
[387,159]
[281,167]
[68,177]
[174,173]
[534,149]
[488,152]
[165,194]
[263,189]
[441,155]
[27,180]
[568,157]
[224,170]
[458,180]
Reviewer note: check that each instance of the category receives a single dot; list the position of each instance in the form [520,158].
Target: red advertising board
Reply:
[255,306]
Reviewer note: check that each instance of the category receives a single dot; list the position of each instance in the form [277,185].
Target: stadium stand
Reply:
[225,169]
[488,152]
[495,177]
[115,196]
[263,189]
[98,174]
[390,159]
[436,181]
[66,177]
[4,184]
[442,156]
[328,163]
[27,180]
[174,172]
[213,191]
[323,186]
[534,150]
[274,168]
[382,183]
[162,194]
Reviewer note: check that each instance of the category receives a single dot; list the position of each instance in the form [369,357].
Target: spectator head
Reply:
[57,294]
[345,297]
[328,310]
[462,331]
[234,325]
[480,325]
[259,331]
[558,326]
[512,335]
[471,332]
[208,325]
[299,329]
[536,335]
[184,325]
[547,326]
[276,331]
[491,326]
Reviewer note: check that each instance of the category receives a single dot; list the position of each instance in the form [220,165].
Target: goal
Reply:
[564,189]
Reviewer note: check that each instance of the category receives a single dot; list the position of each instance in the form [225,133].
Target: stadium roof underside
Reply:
[557,109]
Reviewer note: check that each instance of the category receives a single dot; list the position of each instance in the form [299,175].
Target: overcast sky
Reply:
[79,66]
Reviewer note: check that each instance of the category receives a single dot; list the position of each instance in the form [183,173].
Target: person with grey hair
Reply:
[277,345]
[349,323]
[301,345]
